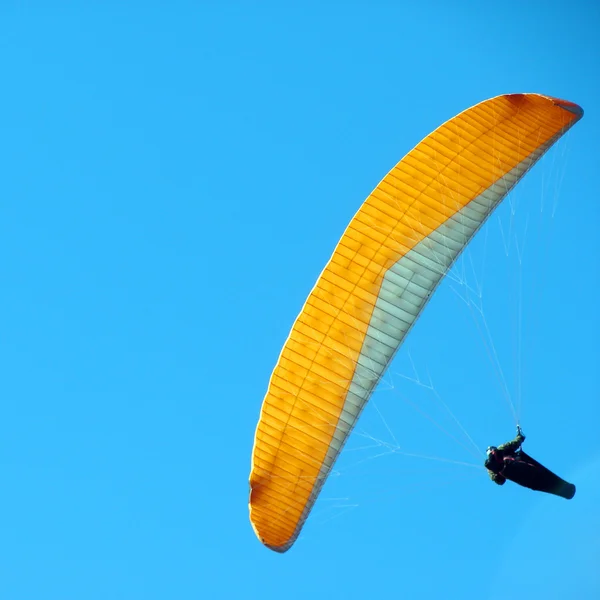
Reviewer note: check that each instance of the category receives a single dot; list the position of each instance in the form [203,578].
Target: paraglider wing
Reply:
[390,259]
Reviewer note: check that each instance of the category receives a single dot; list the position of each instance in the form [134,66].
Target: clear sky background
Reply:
[174,178]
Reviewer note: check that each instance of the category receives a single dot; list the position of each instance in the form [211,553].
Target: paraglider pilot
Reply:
[508,461]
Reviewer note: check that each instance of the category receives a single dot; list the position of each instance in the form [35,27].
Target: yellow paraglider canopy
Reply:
[394,253]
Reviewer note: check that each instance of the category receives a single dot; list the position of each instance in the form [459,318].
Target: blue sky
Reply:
[175,177]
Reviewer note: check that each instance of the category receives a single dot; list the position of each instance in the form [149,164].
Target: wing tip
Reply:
[564,104]
[567,105]
[570,106]
[279,549]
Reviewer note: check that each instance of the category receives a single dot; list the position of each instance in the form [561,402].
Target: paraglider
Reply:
[508,461]
[394,253]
